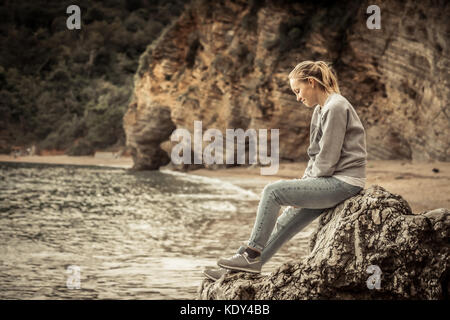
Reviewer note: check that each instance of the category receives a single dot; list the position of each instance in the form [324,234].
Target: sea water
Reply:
[130,234]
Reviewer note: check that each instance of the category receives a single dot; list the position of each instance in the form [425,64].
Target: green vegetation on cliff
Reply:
[68,89]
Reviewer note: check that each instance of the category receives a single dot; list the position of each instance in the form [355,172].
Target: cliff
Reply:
[226,63]
[371,235]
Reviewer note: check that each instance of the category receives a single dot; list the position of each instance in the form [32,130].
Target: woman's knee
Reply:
[273,187]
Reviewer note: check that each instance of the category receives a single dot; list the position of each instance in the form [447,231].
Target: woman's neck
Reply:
[323,97]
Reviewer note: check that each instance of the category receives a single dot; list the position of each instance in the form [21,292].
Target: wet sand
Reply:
[416,182]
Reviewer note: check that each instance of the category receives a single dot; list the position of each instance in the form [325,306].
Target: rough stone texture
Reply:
[148,127]
[374,227]
[226,63]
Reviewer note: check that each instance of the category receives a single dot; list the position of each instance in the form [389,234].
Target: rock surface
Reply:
[373,228]
[152,126]
[226,63]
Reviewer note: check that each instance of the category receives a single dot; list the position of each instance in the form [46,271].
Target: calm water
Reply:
[133,235]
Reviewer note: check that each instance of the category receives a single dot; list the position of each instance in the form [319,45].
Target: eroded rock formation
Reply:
[375,227]
[226,63]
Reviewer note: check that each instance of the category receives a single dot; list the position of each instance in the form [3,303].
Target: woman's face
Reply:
[304,91]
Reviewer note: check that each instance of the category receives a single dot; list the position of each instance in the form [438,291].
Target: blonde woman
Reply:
[336,170]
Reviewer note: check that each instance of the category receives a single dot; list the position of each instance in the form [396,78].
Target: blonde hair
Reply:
[320,71]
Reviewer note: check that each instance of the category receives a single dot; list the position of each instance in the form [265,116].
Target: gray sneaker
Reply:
[241,262]
[215,274]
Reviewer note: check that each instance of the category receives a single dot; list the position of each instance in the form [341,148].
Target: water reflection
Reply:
[134,235]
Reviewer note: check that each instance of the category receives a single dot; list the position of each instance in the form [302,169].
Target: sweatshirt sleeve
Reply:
[334,125]
[308,169]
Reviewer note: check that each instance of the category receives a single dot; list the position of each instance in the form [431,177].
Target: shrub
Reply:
[60,86]
[81,147]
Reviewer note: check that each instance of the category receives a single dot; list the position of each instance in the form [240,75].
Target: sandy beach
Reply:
[425,185]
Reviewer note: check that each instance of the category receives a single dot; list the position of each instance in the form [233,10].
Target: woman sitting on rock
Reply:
[336,171]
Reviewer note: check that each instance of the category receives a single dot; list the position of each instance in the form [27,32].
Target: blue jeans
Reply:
[312,196]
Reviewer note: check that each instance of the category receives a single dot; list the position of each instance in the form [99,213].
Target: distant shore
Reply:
[425,185]
[122,162]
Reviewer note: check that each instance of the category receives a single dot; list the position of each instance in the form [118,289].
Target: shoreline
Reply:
[122,162]
[423,188]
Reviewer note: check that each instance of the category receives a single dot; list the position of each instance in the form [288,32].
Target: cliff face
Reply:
[370,246]
[226,63]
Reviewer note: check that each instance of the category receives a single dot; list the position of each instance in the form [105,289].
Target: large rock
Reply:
[374,229]
[226,63]
[146,129]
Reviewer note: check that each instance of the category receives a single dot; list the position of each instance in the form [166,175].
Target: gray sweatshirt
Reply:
[337,142]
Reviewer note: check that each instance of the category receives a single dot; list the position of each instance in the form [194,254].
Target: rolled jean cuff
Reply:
[253,244]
